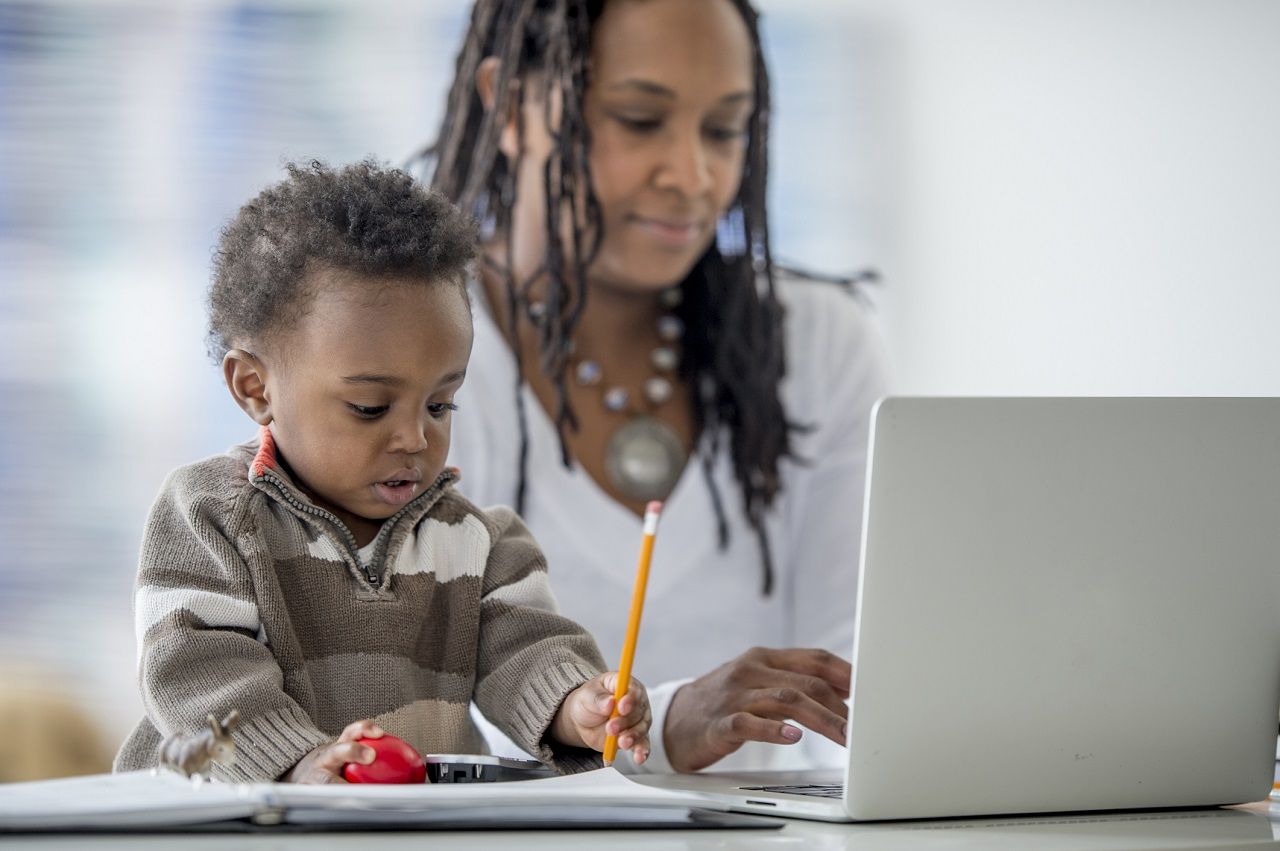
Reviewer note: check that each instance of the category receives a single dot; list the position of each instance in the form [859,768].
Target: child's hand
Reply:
[583,719]
[324,764]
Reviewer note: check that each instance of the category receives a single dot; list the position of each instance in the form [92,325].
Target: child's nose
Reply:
[410,437]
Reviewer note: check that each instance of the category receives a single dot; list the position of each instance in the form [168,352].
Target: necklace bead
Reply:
[658,390]
[670,328]
[664,359]
[616,399]
[644,456]
[588,373]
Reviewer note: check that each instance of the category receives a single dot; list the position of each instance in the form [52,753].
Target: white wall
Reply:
[1075,197]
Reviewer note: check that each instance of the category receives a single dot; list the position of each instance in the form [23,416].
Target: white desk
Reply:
[1257,826]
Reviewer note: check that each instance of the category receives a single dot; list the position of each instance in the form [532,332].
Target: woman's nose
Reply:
[685,165]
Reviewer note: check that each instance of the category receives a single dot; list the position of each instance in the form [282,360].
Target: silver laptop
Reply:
[1064,604]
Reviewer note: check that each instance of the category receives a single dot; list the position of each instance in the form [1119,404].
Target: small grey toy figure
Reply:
[193,755]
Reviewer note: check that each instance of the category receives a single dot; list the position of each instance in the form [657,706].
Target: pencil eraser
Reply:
[395,762]
[654,507]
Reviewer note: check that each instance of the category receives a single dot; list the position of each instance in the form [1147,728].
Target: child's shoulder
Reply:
[218,478]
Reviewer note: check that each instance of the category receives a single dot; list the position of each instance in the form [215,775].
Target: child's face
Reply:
[361,392]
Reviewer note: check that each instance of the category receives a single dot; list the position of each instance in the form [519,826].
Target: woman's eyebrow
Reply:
[652,88]
[645,86]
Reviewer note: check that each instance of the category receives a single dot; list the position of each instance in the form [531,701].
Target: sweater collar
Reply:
[268,474]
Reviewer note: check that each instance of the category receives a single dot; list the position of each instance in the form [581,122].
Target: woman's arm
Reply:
[837,366]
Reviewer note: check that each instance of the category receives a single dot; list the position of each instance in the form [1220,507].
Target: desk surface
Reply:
[1255,826]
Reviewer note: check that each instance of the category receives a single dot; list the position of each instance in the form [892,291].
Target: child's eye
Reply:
[368,412]
[441,409]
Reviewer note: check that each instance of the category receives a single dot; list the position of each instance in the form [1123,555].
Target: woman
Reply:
[633,342]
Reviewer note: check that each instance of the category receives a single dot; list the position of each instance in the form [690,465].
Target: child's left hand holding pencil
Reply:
[584,719]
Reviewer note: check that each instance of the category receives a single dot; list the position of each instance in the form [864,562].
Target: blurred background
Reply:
[1063,197]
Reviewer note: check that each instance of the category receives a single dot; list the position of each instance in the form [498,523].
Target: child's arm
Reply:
[198,625]
[583,719]
[530,658]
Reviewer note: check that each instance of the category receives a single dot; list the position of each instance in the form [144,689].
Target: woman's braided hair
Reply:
[733,344]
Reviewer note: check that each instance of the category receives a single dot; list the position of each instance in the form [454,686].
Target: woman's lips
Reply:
[669,233]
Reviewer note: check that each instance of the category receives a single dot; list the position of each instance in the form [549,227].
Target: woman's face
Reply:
[668,108]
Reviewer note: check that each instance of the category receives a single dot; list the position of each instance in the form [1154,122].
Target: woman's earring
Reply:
[486,219]
[731,233]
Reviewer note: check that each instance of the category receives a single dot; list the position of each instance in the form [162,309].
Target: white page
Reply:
[602,787]
[136,798]
[143,799]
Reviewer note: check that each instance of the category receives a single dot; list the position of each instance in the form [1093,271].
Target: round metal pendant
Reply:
[644,459]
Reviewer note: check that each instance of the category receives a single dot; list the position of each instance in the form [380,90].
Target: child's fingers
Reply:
[335,756]
[630,715]
[363,729]
[608,682]
[633,739]
[631,735]
[599,704]
[635,697]
[638,745]
[593,709]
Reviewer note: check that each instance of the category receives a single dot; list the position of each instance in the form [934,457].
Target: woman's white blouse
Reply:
[704,604]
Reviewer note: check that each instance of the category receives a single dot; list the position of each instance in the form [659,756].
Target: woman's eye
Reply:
[639,125]
[368,412]
[726,134]
[441,409]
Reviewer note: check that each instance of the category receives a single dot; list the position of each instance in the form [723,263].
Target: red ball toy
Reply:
[395,762]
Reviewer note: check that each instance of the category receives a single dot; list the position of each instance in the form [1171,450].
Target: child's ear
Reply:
[247,380]
[486,87]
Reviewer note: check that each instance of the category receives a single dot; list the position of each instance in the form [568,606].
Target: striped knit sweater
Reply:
[249,596]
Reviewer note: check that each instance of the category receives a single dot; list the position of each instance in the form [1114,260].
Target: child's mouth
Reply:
[395,491]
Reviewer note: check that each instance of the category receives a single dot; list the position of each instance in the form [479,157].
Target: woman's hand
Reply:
[583,719]
[750,698]
[324,764]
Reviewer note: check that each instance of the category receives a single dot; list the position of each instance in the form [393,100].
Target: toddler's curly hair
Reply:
[366,218]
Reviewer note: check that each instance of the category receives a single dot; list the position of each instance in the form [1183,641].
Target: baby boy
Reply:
[325,579]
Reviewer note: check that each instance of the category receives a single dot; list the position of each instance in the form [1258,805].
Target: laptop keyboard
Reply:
[816,790]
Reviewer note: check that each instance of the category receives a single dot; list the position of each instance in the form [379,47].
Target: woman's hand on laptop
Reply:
[750,699]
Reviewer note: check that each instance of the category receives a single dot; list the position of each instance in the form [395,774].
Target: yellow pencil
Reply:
[651,512]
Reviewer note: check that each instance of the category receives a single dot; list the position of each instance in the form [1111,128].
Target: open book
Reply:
[143,800]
